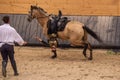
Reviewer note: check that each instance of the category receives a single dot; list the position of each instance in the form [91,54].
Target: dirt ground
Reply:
[34,63]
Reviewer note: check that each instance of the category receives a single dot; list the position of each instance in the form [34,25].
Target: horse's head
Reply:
[36,12]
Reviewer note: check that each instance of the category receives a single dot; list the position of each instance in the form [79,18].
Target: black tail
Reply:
[92,33]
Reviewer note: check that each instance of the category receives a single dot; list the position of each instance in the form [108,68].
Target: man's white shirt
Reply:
[9,35]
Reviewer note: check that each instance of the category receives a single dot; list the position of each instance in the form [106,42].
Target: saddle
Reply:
[62,23]
[56,23]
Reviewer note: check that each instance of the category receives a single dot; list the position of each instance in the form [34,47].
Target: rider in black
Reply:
[52,23]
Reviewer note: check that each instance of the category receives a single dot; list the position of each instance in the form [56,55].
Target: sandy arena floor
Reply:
[34,63]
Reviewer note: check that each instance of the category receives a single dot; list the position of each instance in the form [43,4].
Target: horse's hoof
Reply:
[90,58]
[53,57]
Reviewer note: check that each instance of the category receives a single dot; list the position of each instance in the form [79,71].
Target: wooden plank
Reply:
[117,31]
[21,8]
[102,7]
[25,1]
[69,7]
[107,27]
[46,2]
[119,7]
[101,2]
[6,1]
[4,8]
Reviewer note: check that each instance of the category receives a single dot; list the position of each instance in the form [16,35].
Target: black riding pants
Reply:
[7,51]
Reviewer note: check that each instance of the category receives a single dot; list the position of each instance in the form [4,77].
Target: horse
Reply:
[75,32]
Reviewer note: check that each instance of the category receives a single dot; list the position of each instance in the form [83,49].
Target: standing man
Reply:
[8,36]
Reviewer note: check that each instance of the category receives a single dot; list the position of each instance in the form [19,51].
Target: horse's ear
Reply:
[31,6]
[60,13]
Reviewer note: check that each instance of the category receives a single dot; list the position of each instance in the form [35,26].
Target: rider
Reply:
[52,23]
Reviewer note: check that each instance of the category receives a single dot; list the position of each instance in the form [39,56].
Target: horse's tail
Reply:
[93,34]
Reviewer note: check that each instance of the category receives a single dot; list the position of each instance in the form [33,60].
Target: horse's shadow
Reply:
[71,58]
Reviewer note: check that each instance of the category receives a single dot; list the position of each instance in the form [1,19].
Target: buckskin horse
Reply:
[74,31]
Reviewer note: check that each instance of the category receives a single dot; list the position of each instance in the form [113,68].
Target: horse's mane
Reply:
[35,7]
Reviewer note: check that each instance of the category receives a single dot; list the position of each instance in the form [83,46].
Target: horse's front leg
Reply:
[53,49]
[53,45]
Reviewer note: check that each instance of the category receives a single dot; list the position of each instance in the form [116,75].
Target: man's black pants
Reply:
[7,51]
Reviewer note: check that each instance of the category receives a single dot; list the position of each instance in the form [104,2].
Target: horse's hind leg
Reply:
[90,48]
[87,46]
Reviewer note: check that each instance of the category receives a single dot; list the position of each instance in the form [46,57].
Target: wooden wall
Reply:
[69,7]
[102,16]
[107,27]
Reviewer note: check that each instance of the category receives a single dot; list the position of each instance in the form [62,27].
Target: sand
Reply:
[34,63]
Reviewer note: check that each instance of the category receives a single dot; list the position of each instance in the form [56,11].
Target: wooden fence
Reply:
[107,27]
[69,7]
